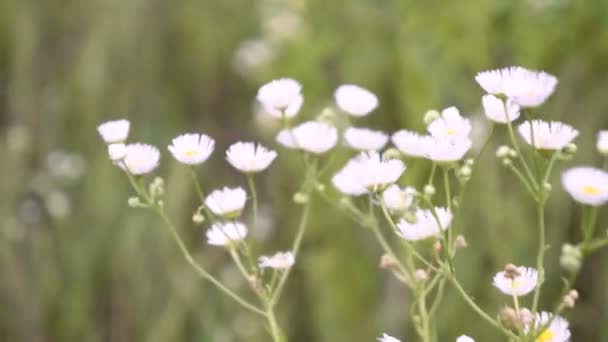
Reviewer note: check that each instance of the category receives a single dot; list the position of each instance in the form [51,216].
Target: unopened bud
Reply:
[526,317]
[570,149]
[391,153]
[512,153]
[421,275]
[410,217]
[460,242]
[469,162]
[320,187]
[547,187]
[602,144]
[511,271]
[254,282]
[135,202]
[465,171]
[437,247]
[429,190]
[507,162]
[387,262]
[198,218]
[300,198]
[431,115]
[157,187]
[503,151]
[509,318]
[327,115]
[571,258]
[570,299]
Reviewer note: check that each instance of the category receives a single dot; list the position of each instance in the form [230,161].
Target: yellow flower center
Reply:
[191,154]
[451,131]
[546,336]
[592,190]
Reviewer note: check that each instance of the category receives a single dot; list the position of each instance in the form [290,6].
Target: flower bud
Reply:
[198,218]
[602,144]
[570,299]
[320,187]
[391,153]
[157,187]
[511,271]
[387,262]
[410,217]
[300,198]
[503,151]
[460,242]
[421,275]
[570,149]
[135,202]
[429,190]
[328,115]
[571,258]
[512,154]
[507,162]
[465,171]
[469,162]
[547,187]
[431,115]
[509,318]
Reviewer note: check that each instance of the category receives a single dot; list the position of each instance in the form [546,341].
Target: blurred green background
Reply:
[77,265]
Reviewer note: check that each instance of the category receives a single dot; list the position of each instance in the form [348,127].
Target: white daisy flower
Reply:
[227,202]
[396,198]
[387,338]
[368,172]
[192,148]
[450,125]
[411,143]
[249,157]
[464,338]
[547,135]
[355,100]
[447,150]
[558,330]
[602,142]
[494,108]
[520,285]
[222,234]
[364,139]
[279,261]
[281,97]
[426,225]
[586,185]
[140,159]
[117,151]
[312,136]
[115,131]
[527,88]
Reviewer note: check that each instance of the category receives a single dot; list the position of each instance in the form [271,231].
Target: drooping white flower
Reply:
[311,136]
[227,202]
[447,150]
[281,97]
[192,148]
[224,233]
[426,224]
[249,157]
[464,338]
[586,185]
[279,261]
[115,131]
[450,125]
[602,142]
[396,198]
[547,135]
[140,159]
[494,108]
[364,139]
[527,88]
[520,285]
[411,143]
[368,172]
[355,100]
[117,151]
[558,330]
[387,338]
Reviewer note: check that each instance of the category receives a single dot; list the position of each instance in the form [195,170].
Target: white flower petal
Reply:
[281,97]
[364,139]
[192,148]
[355,100]
[587,185]
[544,135]
[249,157]
[519,286]
[312,136]
[115,131]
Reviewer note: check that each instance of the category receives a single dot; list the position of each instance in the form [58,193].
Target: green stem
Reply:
[541,254]
[199,191]
[448,199]
[424,317]
[521,156]
[254,199]
[275,330]
[432,175]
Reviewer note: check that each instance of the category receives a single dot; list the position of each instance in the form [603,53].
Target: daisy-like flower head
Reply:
[355,100]
[519,284]
[115,131]
[450,125]
[364,139]
[311,136]
[387,338]
[222,234]
[395,198]
[227,202]
[558,330]
[192,148]
[587,185]
[249,157]
[279,261]
[494,108]
[140,159]
[602,142]
[281,97]
[464,338]
[426,225]
[447,150]
[117,151]
[368,172]
[411,143]
[547,135]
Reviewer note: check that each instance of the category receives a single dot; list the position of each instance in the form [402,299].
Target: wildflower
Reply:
[227,202]
[426,224]
[411,143]
[192,148]
[447,150]
[355,100]
[586,185]
[249,157]
[364,139]
[450,125]
[312,136]
[368,172]
[115,131]
[281,98]
[526,88]
[387,338]
[547,135]
[222,234]
[279,261]
[557,331]
[395,198]
[494,108]
[517,281]
[602,142]
[117,151]
[140,159]
[464,338]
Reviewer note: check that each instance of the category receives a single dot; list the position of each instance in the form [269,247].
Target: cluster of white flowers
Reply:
[368,172]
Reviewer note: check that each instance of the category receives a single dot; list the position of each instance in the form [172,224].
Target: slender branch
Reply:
[541,254]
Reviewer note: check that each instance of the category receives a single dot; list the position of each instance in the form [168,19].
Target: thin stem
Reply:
[448,199]
[254,199]
[424,317]
[520,155]
[199,191]
[524,181]
[275,330]
[432,175]
[541,254]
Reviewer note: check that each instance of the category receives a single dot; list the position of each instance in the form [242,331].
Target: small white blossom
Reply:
[395,198]
[117,151]
[311,136]
[450,125]
[364,139]
[464,338]
[586,185]
[494,108]
[115,131]
[558,330]
[192,148]
[520,285]
[411,143]
[447,150]
[281,97]
[368,172]
[249,157]
[527,88]
[227,202]
[387,338]
[222,234]
[279,261]
[140,159]
[355,100]
[426,224]
[602,142]
[547,135]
